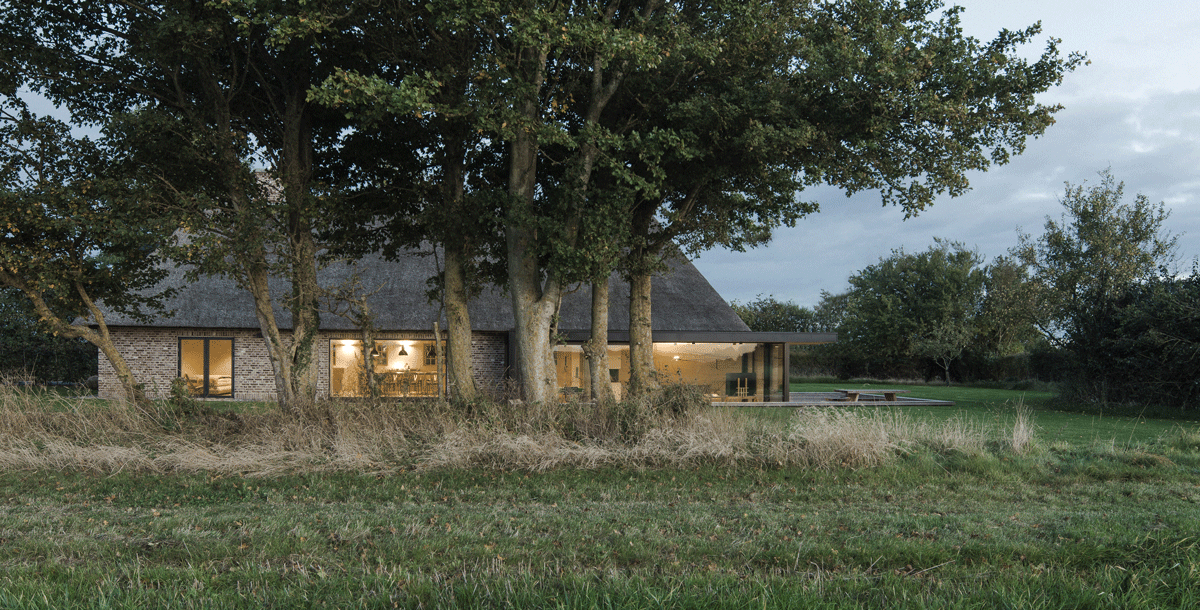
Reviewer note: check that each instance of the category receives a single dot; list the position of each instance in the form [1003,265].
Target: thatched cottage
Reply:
[212,338]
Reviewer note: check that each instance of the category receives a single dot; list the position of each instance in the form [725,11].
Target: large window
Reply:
[400,368]
[726,372]
[207,366]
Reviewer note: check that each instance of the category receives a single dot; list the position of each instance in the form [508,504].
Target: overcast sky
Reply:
[1134,110]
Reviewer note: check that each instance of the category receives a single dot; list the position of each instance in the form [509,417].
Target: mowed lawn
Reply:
[1104,515]
[996,407]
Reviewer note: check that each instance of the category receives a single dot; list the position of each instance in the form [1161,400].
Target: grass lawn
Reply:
[1072,522]
[916,534]
[993,406]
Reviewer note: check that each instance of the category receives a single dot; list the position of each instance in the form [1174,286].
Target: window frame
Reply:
[207,363]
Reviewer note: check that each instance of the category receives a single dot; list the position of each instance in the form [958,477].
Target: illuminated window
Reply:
[402,368]
[207,366]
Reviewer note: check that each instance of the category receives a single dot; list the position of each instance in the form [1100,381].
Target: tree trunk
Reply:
[306,318]
[437,361]
[533,302]
[99,337]
[257,282]
[533,311]
[295,174]
[293,359]
[458,327]
[456,294]
[642,375]
[596,348]
[103,341]
[533,316]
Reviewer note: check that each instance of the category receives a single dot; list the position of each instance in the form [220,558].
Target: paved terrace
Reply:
[838,399]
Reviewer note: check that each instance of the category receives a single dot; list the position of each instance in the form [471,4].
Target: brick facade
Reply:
[489,360]
[153,355]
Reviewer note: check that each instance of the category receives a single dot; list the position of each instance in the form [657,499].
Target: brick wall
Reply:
[153,355]
[489,359]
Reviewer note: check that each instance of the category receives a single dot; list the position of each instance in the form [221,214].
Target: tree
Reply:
[830,311]
[208,93]
[1150,347]
[534,77]
[1086,266]
[766,314]
[543,235]
[859,95]
[74,233]
[1007,320]
[944,340]
[914,305]
[1098,248]
[700,123]
[422,103]
[697,122]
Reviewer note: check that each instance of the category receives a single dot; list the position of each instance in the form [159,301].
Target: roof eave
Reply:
[684,336]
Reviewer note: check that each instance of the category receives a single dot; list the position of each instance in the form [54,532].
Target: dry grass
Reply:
[825,438]
[1021,437]
[670,428]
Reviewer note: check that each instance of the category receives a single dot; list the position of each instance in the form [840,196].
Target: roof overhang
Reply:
[684,336]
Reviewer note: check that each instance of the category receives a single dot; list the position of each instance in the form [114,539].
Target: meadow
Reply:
[996,502]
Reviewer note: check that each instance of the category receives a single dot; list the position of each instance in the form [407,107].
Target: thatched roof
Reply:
[682,300]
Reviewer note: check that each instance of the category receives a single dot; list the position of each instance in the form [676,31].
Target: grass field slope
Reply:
[655,504]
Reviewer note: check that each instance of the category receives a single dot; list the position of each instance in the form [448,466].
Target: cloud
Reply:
[1151,143]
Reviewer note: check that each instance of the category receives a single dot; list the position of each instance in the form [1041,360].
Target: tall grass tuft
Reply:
[1022,435]
[674,426]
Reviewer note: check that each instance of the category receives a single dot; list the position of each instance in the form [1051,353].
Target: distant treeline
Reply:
[1096,303]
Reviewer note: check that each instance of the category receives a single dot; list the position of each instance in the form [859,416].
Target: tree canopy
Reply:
[74,232]
[911,306]
[1097,249]
[211,101]
[768,314]
[1108,296]
[588,135]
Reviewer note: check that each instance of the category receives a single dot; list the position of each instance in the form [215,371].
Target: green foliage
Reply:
[578,132]
[25,349]
[913,306]
[940,307]
[863,96]
[72,228]
[1089,257]
[1109,300]
[637,126]
[1007,322]
[1146,347]
[766,314]
[203,94]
